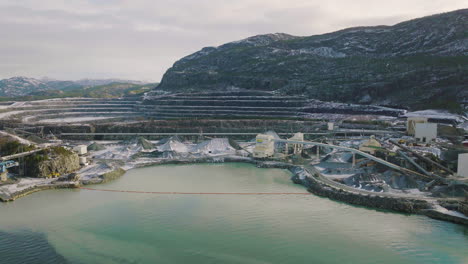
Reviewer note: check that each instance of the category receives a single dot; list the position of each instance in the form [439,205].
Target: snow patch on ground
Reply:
[118,152]
[24,184]
[449,212]
[175,146]
[436,114]
[78,119]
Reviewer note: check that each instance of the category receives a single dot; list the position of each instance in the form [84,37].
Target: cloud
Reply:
[140,39]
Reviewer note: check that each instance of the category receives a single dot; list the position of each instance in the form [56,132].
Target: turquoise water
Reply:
[83,226]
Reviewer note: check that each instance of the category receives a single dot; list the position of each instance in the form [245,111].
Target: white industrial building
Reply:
[264,146]
[463,165]
[331,126]
[81,149]
[425,132]
[411,124]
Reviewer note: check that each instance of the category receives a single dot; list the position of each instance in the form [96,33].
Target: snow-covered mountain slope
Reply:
[21,86]
[419,63]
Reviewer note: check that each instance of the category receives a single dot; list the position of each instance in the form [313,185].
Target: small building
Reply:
[331,126]
[463,165]
[411,124]
[264,146]
[81,149]
[425,132]
[370,146]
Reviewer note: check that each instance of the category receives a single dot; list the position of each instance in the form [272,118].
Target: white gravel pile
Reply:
[214,146]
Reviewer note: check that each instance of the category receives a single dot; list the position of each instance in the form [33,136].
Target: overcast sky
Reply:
[140,39]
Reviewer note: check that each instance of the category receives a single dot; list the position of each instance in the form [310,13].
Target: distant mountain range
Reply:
[421,63]
[24,86]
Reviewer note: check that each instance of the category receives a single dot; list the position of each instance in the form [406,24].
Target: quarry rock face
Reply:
[418,63]
[57,166]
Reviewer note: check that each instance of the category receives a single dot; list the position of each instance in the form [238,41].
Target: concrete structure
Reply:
[81,149]
[296,148]
[83,161]
[264,146]
[463,165]
[370,146]
[19,155]
[331,126]
[425,132]
[4,166]
[3,176]
[411,124]
[366,155]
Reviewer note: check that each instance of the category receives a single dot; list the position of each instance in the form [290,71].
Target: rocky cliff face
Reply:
[58,166]
[420,63]
[52,163]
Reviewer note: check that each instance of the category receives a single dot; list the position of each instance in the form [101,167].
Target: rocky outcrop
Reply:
[374,201]
[397,204]
[58,166]
[52,163]
[390,65]
[112,175]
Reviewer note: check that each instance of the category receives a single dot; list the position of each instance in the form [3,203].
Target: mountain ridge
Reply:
[23,86]
[417,63]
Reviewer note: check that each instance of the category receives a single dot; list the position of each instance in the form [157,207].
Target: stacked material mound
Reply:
[96,147]
[140,142]
[173,145]
[119,152]
[234,144]
[165,140]
[146,144]
[369,182]
[215,146]
[384,182]
[397,180]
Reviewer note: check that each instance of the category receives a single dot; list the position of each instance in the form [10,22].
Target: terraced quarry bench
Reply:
[71,110]
[249,104]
